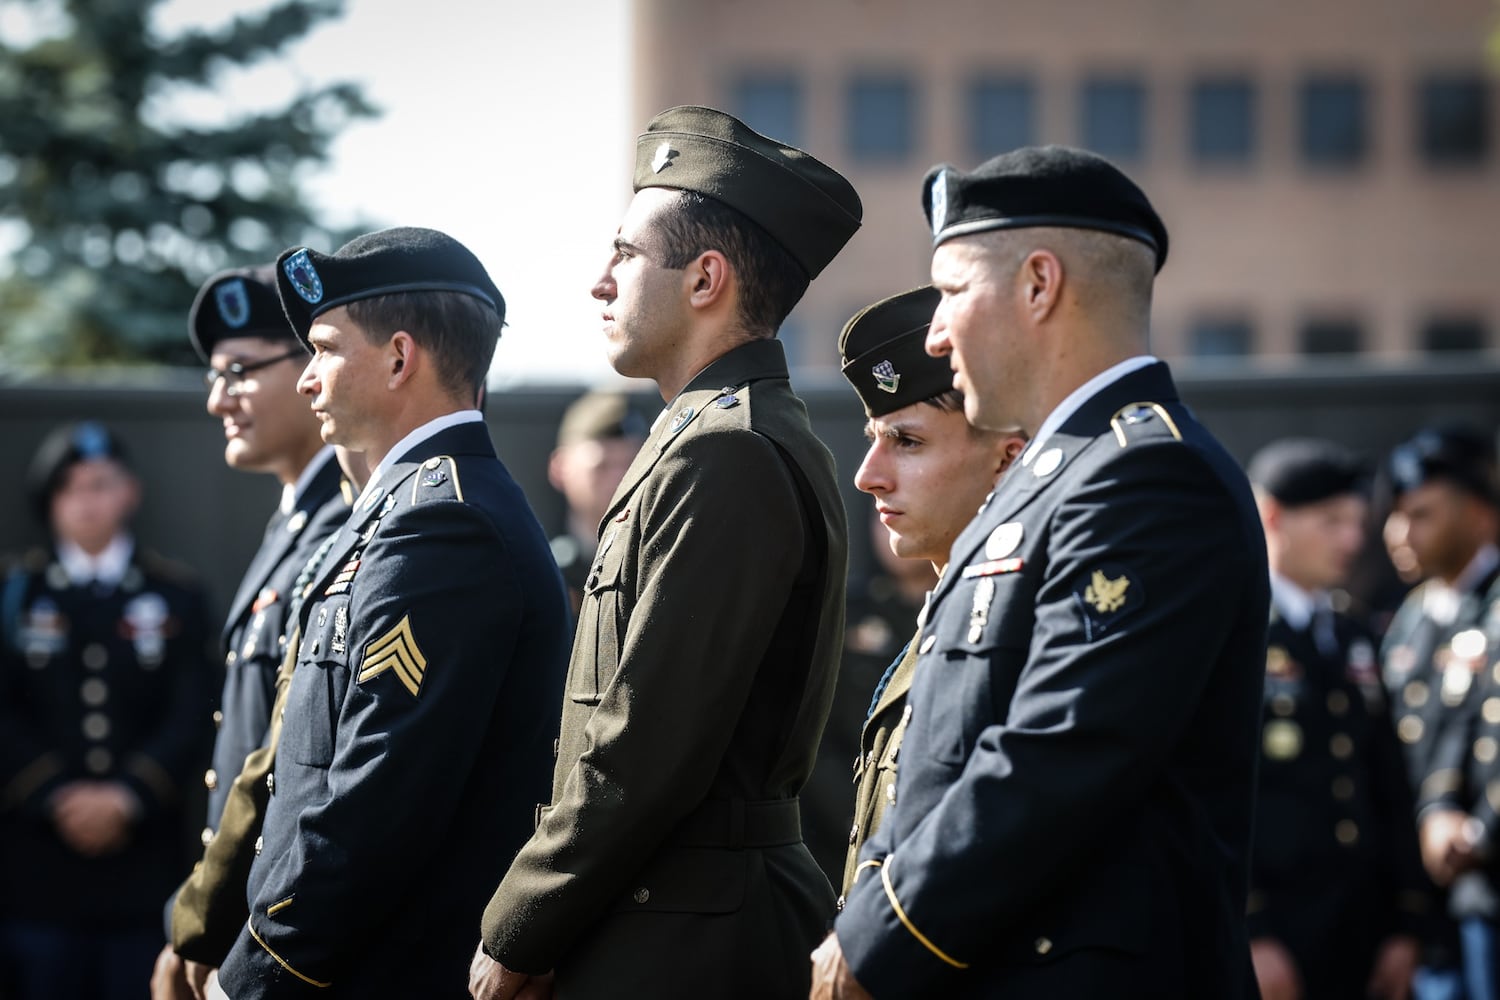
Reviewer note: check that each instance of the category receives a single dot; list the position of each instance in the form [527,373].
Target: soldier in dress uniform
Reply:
[599,435]
[414,737]
[929,470]
[104,697]
[1073,801]
[1338,897]
[1436,661]
[237,327]
[670,860]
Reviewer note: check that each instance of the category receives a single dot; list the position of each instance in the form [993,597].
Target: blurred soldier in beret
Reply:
[1073,799]
[670,860]
[104,695]
[928,470]
[599,435]
[1436,659]
[429,636]
[239,330]
[1338,896]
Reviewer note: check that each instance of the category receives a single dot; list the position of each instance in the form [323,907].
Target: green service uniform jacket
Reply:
[669,862]
[416,737]
[875,765]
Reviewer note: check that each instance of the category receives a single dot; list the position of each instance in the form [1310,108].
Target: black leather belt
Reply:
[736,823]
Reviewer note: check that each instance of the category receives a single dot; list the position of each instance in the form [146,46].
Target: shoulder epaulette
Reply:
[437,479]
[1142,421]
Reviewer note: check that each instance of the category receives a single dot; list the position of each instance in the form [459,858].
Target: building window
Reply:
[770,104]
[1334,121]
[1454,334]
[1219,338]
[1114,117]
[1223,120]
[1002,115]
[882,124]
[1454,110]
[1331,336]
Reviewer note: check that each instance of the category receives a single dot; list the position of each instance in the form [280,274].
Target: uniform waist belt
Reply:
[741,823]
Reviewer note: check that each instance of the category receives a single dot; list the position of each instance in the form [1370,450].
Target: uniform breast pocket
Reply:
[318,686]
[983,631]
[601,621]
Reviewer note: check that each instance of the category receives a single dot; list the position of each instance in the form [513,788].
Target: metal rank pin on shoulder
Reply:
[727,398]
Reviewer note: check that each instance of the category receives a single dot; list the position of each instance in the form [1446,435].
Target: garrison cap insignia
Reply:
[886,377]
[1004,540]
[1106,595]
[663,158]
[434,478]
[397,652]
[1047,462]
[233,302]
[1282,739]
[304,277]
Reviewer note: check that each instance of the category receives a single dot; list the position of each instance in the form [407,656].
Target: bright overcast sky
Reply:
[505,125]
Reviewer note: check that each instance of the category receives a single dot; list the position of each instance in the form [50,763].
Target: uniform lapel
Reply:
[756,360]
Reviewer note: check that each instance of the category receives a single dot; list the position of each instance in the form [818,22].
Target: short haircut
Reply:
[771,281]
[459,331]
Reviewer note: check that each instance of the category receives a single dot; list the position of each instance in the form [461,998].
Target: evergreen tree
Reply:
[120,213]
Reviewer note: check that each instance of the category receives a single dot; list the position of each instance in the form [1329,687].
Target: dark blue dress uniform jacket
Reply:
[254,630]
[417,736]
[1335,867]
[1073,805]
[107,685]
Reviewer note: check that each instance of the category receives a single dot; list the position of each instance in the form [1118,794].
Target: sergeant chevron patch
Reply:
[396,650]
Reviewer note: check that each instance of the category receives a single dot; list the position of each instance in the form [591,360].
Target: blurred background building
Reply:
[1328,171]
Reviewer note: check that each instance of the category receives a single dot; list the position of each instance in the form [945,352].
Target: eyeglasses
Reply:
[234,374]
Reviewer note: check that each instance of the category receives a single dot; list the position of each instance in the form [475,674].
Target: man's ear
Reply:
[710,279]
[1041,280]
[402,355]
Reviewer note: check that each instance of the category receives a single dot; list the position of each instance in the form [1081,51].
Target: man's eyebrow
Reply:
[621,243]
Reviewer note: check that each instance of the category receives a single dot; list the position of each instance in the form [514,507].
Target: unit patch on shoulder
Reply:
[396,651]
[1106,594]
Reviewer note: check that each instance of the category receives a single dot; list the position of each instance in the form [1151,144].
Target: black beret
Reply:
[385,263]
[1041,186]
[883,355]
[63,448]
[237,303]
[806,206]
[1460,455]
[1297,471]
[601,416]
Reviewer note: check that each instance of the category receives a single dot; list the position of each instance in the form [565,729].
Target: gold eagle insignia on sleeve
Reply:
[1106,595]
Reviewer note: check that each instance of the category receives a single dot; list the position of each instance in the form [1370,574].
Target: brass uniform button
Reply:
[218,718]
[1343,788]
[96,725]
[1341,746]
[271,783]
[207,836]
[1416,694]
[1492,711]
[1338,703]
[1410,729]
[641,895]
[1485,749]
[890,793]
[1346,832]
[1043,945]
[260,843]
[1283,705]
[211,779]
[94,692]
[98,760]
[95,656]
